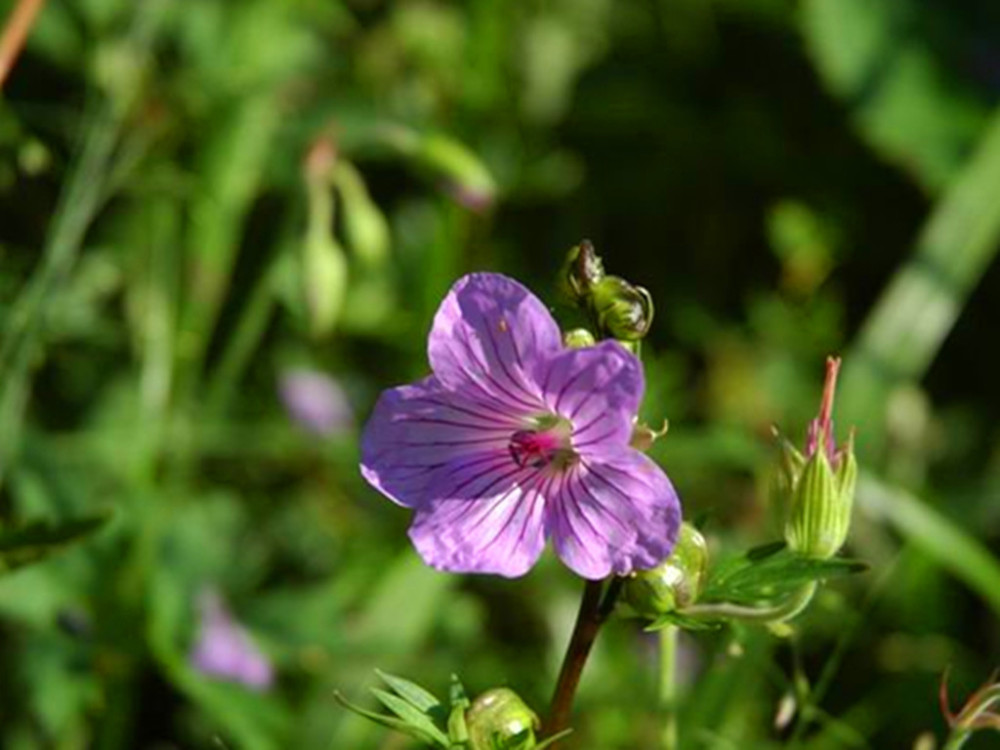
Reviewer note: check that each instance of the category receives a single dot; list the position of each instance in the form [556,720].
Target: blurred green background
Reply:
[200,199]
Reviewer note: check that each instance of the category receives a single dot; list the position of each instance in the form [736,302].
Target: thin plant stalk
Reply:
[594,610]
[668,686]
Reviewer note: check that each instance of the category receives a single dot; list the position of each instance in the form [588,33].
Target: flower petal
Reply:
[613,515]
[598,389]
[416,429]
[487,516]
[490,338]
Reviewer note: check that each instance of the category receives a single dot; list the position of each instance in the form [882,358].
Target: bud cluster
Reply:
[619,309]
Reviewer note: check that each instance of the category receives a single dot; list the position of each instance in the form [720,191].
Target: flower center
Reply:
[548,443]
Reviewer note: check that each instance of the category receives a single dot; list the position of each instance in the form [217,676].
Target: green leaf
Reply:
[35,541]
[683,622]
[900,93]
[751,579]
[413,693]
[392,723]
[412,716]
[951,546]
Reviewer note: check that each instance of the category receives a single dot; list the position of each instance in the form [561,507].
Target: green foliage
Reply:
[772,572]
[786,179]
[33,542]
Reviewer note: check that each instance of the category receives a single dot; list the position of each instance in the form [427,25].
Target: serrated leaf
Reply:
[412,716]
[409,691]
[765,551]
[681,621]
[35,541]
[391,722]
[752,579]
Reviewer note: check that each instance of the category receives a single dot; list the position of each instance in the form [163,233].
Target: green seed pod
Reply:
[820,513]
[578,338]
[674,583]
[499,720]
[819,485]
[623,311]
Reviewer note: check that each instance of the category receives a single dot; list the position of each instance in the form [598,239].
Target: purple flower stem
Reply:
[593,612]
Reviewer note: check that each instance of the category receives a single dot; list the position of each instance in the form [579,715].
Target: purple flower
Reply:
[224,649]
[515,439]
[316,401]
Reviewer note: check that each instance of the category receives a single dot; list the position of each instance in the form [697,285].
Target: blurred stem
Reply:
[593,612]
[786,610]
[906,328]
[15,34]
[242,344]
[231,163]
[957,739]
[668,685]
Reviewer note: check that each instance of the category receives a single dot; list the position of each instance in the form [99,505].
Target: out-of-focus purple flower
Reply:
[316,401]
[515,439]
[224,650]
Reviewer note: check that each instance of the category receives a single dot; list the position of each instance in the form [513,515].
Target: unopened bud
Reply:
[582,271]
[499,720]
[820,483]
[623,311]
[365,227]
[324,264]
[674,583]
[324,275]
[578,338]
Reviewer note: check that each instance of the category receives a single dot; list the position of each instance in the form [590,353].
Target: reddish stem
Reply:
[593,612]
[829,390]
[15,34]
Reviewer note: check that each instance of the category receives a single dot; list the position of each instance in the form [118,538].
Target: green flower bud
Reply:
[499,720]
[623,311]
[578,338]
[324,276]
[460,173]
[819,484]
[581,272]
[674,583]
[365,226]
[324,263]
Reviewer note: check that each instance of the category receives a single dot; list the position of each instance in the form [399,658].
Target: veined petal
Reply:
[614,515]
[490,338]
[416,429]
[598,389]
[486,515]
